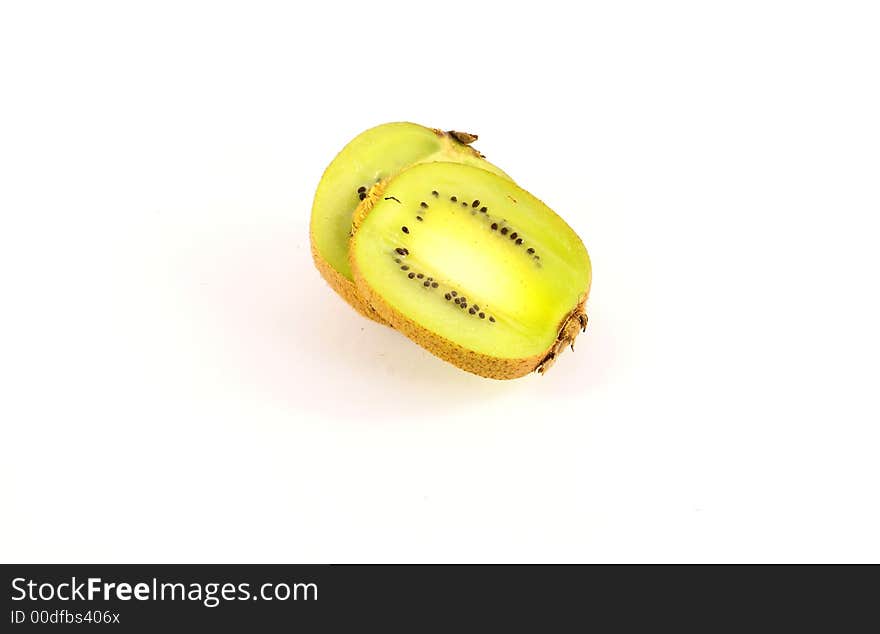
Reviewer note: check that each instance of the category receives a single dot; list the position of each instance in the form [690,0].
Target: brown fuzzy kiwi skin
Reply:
[344,287]
[475,362]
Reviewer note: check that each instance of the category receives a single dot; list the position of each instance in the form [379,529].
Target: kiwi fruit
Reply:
[372,157]
[471,267]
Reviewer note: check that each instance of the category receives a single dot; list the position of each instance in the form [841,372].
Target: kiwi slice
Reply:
[471,267]
[371,157]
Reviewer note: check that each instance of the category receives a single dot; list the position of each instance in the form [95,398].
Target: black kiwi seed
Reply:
[530,250]
[426,284]
[423,205]
[404,229]
[434,193]
[420,275]
[476,203]
[464,204]
[419,218]
[411,275]
[430,279]
[504,231]
[513,235]
[494,226]
[476,307]
[404,268]
[457,300]
[453,199]
[483,209]
[434,285]
[448,297]
[453,293]
[482,315]
[492,319]
[472,311]
[397,260]
[519,241]
[463,304]
[401,251]
[361,190]
[362,196]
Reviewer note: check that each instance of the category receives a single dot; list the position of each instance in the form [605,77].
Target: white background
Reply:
[178,383]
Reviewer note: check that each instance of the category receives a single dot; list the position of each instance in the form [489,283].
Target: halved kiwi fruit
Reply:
[471,267]
[371,157]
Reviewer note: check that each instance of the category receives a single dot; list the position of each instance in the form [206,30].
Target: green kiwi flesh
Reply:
[373,156]
[472,267]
